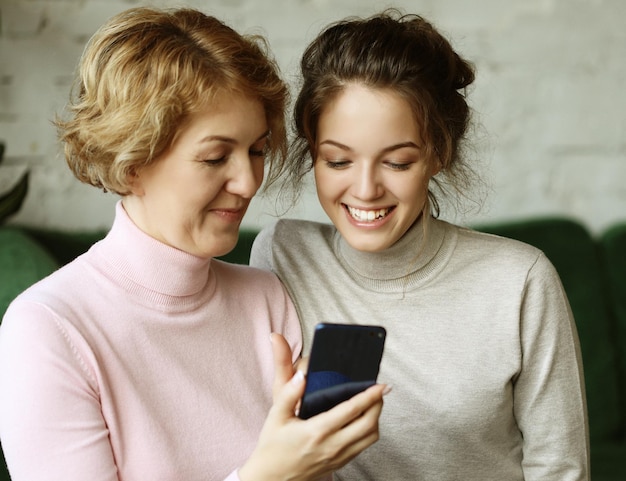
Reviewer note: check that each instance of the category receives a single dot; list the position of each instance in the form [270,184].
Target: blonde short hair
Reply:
[143,73]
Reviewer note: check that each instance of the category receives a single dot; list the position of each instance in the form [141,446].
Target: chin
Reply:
[224,248]
[215,247]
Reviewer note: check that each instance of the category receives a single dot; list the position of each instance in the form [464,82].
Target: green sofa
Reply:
[592,268]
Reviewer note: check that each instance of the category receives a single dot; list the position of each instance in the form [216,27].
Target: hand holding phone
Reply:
[345,360]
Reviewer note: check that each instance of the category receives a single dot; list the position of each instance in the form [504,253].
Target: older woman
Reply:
[145,358]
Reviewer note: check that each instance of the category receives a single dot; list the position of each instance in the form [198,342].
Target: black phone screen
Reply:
[344,361]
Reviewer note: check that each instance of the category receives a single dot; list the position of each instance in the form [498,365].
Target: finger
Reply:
[350,440]
[347,411]
[302,364]
[283,368]
[354,448]
[363,426]
[361,432]
[286,398]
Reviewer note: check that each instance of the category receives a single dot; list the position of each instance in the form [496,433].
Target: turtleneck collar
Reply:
[148,267]
[405,265]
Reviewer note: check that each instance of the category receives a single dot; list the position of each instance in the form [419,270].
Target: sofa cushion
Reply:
[613,249]
[65,246]
[574,254]
[607,461]
[22,263]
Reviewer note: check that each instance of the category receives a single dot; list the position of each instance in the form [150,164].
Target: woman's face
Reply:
[194,196]
[370,171]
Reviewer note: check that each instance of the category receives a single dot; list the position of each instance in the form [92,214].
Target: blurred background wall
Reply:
[549,98]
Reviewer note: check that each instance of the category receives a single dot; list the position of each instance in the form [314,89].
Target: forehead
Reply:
[236,117]
[230,106]
[363,115]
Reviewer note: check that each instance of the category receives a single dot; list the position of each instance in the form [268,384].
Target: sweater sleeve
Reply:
[51,424]
[261,252]
[549,396]
[261,257]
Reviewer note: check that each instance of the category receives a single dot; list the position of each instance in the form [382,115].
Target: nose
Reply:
[245,176]
[367,184]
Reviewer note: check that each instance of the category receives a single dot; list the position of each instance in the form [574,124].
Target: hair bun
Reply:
[463,75]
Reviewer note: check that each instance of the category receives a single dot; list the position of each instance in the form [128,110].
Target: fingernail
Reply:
[297,378]
[387,390]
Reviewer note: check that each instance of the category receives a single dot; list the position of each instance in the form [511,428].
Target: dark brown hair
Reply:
[402,53]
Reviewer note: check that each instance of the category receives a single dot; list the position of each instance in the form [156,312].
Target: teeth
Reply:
[367,215]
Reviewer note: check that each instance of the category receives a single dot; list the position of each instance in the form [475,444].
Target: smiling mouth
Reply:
[362,215]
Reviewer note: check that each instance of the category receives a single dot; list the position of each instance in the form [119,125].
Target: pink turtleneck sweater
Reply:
[139,362]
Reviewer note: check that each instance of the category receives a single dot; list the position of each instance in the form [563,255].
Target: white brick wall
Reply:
[549,96]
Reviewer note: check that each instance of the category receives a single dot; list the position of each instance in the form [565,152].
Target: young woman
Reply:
[145,358]
[482,351]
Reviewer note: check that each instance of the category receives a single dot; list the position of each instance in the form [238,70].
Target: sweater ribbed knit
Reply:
[482,352]
[137,362]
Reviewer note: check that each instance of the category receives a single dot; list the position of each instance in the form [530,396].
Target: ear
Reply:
[435,167]
[135,186]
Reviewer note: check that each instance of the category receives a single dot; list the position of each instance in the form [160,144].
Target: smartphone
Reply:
[344,360]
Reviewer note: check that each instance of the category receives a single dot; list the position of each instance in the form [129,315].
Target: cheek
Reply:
[318,176]
[259,173]
[325,183]
[415,190]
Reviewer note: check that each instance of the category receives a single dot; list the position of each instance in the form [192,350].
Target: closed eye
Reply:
[257,152]
[337,164]
[216,161]
[259,148]
[398,166]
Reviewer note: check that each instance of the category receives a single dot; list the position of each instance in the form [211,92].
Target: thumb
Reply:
[287,397]
[283,368]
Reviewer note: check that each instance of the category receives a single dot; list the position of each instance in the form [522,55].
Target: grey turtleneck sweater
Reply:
[482,351]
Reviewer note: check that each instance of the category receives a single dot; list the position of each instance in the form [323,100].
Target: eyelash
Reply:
[215,162]
[395,166]
[258,153]
[224,158]
[339,164]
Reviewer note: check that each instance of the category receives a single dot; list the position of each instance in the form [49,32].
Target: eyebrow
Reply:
[391,148]
[229,140]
